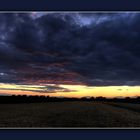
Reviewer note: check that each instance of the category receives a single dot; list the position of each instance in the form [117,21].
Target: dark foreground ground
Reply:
[70,114]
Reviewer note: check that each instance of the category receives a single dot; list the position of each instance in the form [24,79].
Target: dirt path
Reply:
[128,106]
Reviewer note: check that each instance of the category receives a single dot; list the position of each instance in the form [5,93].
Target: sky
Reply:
[70,54]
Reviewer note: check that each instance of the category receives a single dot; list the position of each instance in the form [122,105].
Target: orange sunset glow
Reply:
[74,91]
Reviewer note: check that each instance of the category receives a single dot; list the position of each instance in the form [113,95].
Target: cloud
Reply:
[38,89]
[93,49]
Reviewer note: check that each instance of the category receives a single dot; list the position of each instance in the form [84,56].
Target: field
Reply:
[70,114]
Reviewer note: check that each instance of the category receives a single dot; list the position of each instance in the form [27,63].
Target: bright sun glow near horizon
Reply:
[72,90]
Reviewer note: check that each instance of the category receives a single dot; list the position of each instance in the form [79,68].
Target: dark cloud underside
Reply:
[71,48]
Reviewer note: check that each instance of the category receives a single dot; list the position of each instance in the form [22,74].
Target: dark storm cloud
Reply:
[97,49]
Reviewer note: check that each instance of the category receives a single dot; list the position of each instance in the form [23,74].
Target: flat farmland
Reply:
[70,114]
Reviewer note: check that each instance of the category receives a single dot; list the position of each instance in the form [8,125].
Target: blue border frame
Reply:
[72,5]
[63,5]
[69,134]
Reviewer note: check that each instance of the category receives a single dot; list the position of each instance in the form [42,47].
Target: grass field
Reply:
[70,114]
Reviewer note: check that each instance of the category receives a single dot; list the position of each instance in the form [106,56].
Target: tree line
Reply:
[43,99]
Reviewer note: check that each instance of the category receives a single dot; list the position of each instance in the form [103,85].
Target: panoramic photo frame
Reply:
[69,69]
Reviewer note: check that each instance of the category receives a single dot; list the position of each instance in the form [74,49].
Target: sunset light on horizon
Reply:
[77,91]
